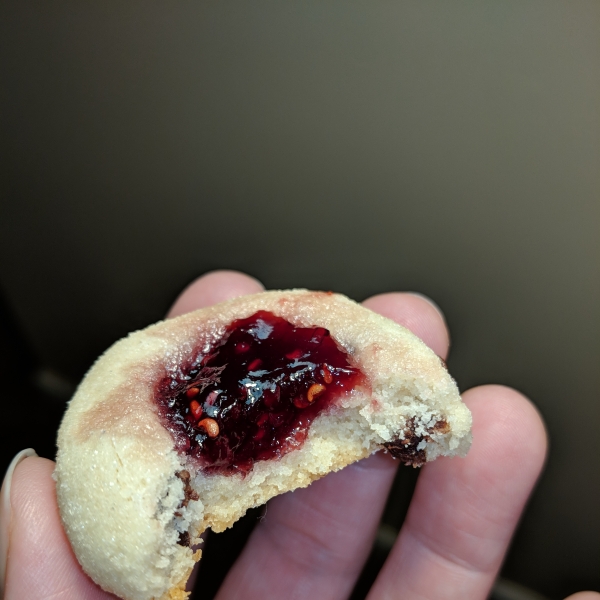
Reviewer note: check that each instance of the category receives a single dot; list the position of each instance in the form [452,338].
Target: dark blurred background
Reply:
[449,148]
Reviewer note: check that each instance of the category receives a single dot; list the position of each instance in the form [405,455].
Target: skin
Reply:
[452,543]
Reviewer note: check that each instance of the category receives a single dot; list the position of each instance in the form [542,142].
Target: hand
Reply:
[312,544]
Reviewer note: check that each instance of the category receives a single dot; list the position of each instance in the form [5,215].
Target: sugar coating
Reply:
[118,490]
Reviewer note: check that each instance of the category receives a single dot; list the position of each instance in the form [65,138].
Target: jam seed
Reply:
[196,409]
[192,392]
[254,364]
[327,376]
[271,398]
[242,347]
[314,390]
[210,426]
[295,354]
[300,402]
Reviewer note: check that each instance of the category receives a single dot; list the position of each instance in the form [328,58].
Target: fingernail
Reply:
[6,512]
[428,300]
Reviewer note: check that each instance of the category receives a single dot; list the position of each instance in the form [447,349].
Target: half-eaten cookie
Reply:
[189,423]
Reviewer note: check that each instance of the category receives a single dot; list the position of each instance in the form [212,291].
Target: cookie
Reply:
[187,424]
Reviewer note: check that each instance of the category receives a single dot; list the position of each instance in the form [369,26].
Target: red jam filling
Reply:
[254,395]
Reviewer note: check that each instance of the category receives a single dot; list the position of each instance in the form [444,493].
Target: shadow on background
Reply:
[447,148]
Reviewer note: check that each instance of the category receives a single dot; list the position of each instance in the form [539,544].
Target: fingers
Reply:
[314,541]
[417,313]
[41,563]
[6,512]
[584,596]
[212,288]
[464,512]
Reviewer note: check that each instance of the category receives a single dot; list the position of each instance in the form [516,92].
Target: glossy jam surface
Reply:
[254,395]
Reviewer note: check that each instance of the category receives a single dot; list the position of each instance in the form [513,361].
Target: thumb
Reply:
[40,563]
